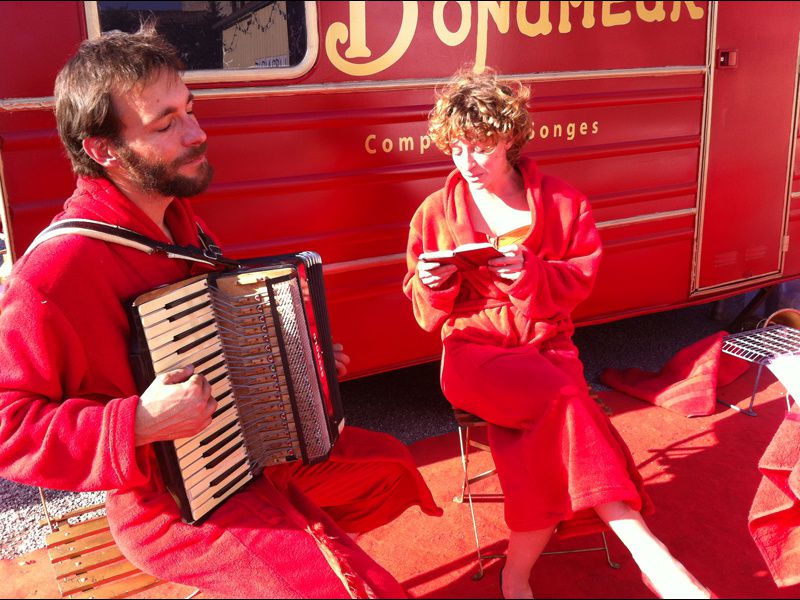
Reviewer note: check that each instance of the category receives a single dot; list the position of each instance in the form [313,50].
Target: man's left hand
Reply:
[342,360]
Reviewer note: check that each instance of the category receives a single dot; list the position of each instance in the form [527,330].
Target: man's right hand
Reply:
[177,404]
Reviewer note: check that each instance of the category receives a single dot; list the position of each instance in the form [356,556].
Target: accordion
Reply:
[260,336]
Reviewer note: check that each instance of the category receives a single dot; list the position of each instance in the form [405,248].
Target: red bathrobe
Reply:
[508,355]
[67,407]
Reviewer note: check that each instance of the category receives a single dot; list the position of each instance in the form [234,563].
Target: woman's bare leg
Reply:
[667,576]
[524,547]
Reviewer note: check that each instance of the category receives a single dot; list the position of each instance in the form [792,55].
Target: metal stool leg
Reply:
[603,548]
[465,442]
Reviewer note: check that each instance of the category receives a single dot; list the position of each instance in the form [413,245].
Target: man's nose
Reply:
[194,134]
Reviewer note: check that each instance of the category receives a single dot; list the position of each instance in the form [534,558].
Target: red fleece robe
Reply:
[67,408]
[508,355]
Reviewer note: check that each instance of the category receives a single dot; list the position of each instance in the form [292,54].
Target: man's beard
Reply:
[162,177]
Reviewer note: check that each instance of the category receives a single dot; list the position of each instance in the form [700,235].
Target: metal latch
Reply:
[727,59]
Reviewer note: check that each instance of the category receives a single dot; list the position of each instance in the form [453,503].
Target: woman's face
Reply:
[483,167]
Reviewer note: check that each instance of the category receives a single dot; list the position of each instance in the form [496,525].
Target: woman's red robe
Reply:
[67,412]
[508,355]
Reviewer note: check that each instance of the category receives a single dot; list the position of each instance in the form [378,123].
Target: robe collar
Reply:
[456,210]
[99,199]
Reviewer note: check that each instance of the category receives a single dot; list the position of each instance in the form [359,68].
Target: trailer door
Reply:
[754,70]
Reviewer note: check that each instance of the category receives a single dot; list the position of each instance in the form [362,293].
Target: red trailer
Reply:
[677,119]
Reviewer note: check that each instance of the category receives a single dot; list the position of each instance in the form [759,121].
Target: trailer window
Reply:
[223,41]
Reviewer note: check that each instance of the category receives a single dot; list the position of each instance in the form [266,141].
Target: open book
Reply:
[465,257]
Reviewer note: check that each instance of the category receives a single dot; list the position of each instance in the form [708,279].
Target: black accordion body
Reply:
[260,335]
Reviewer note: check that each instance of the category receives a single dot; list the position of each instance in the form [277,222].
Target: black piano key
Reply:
[197,342]
[183,299]
[210,438]
[209,358]
[222,409]
[185,313]
[217,480]
[224,490]
[178,337]
[213,463]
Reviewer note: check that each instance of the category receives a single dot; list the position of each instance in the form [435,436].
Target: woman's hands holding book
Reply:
[434,274]
[508,266]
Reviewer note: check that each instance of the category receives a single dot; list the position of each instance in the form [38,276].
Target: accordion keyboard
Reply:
[233,334]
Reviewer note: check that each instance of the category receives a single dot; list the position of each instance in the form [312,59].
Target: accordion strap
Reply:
[209,254]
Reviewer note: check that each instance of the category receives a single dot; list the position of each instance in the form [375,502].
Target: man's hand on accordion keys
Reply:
[177,404]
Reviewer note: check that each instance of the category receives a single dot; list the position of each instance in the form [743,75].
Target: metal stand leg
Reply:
[749,410]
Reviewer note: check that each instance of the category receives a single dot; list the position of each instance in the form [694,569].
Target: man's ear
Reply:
[100,150]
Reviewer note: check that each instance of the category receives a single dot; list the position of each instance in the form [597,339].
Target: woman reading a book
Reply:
[506,327]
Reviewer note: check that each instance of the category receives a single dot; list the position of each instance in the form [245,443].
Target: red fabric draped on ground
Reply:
[774,518]
[688,383]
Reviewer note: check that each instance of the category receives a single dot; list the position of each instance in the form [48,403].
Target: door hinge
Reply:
[785,244]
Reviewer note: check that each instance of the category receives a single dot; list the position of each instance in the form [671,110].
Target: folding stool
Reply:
[466,421]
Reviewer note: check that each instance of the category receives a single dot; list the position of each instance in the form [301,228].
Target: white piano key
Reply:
[170,331]
[203,489]
[200,509]
[183,345]
[195,357]
[146,308]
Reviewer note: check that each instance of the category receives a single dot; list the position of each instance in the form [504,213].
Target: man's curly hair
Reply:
[481,110]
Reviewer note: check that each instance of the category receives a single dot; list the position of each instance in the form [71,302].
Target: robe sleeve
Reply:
[553,287]
[431,306]
[47,439]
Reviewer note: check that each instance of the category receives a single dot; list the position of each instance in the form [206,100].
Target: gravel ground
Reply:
[408,403]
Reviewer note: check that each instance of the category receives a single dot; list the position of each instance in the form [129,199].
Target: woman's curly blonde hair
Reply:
[480,110]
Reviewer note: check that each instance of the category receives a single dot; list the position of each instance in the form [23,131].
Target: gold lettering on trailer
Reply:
[358,36]
[354,34]
[404,144]
[542,25]
[612,19]
[338,33]
[443,33]
[568,131]
[564,25]
[499,12]
[695,12]
[651,15]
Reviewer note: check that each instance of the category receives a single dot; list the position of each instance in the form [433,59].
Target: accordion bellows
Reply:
[261,338]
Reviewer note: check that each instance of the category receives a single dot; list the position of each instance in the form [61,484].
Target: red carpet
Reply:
[702,474]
